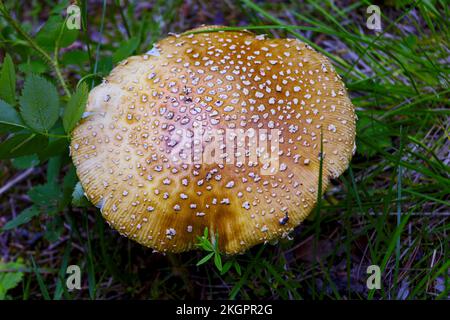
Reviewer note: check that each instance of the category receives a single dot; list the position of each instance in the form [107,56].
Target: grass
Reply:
[390,208]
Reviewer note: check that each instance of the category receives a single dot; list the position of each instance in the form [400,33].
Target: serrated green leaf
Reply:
[8,81]
[125,49]
[10,276]
[9,281]
[75,108]
[25,162]
[205,259]
[13,266]
[22,144]
[24,217]
[9,117]
[36,67]
[78,197]
[54,229]
[45,195]
[49,33]
[2,292]
[39,103]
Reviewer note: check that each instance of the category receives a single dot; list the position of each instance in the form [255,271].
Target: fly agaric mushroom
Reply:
[133,151]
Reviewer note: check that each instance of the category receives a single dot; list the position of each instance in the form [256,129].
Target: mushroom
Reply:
[153,152]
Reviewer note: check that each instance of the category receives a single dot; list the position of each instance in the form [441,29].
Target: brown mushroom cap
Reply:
[123,149]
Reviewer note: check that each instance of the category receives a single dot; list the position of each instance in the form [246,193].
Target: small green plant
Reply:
[10,277]
[37,125]
[212,247]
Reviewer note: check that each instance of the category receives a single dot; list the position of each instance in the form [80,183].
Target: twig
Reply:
[15,180]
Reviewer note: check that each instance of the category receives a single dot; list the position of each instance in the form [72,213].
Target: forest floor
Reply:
[391,207]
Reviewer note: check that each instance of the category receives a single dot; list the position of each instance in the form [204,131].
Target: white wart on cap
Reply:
[149,105]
